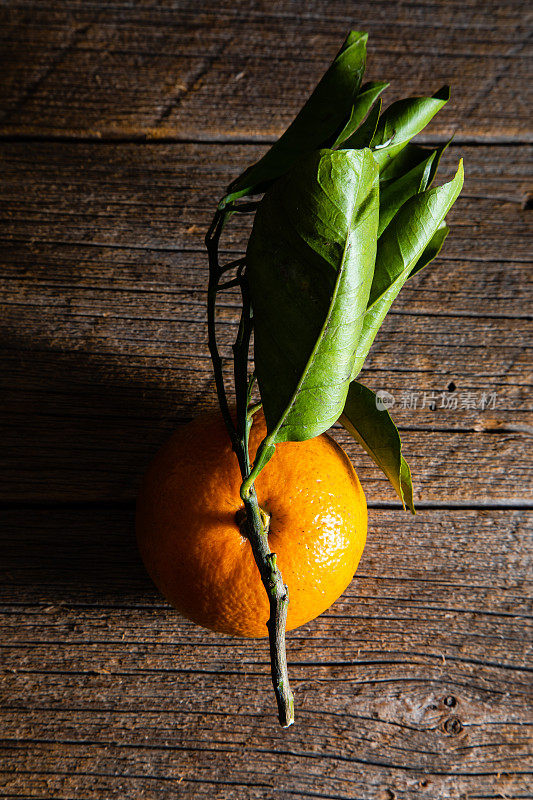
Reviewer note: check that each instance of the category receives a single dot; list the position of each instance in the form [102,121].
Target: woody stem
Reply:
[257,524]
[278,595]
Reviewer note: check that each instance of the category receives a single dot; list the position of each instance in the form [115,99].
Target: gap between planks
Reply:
[147,139]
[453,505]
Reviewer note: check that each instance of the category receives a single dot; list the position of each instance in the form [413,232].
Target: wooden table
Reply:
[121,124]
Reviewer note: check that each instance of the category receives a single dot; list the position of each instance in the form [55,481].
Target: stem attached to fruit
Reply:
[277,592]
[278,597]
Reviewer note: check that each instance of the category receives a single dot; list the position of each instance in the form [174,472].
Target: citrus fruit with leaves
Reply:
[192,533]
[347,214]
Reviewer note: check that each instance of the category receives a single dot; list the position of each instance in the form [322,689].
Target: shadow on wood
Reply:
[73,554]
[78,407]
[71,418]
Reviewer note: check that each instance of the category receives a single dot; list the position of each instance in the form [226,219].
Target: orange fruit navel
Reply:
[188,515]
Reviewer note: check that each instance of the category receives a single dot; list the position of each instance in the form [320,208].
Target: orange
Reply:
[188,530]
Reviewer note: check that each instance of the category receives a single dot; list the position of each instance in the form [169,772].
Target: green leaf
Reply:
[318,124]
[419,171]
[373,428]
[362,105]
[395,193]
[407,485]
[364,134]
[432,250]
[431,169]
[310,263]
[400,248]
[407,159]
[403,120]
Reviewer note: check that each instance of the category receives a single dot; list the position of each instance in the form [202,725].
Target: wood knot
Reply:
[450,701]
[453,726]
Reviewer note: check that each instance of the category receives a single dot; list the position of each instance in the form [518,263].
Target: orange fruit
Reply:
[188,514]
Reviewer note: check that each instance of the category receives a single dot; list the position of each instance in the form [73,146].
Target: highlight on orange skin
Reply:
[188,532]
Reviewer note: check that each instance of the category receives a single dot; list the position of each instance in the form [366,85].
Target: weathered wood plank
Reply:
[63,460]
[100,194]
[81,426]
[104,337]
[198,71]
[41,273]
[415,682]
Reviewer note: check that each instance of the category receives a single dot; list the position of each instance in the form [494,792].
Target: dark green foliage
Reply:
[348,215]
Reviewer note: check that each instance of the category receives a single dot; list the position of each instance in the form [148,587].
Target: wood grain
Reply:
[78,428]
[98,194]
[104,334]
[120,125]
[217,70]
[414,683]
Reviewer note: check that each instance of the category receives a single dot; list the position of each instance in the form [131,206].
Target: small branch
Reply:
[239,262]
[240,362]
[211,242]
[229,284]
[254,409]
[265,451]
[256,519]
[251,383]
[278,598]
[276,590]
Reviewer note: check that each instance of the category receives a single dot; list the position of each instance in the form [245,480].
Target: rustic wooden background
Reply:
[120,125]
